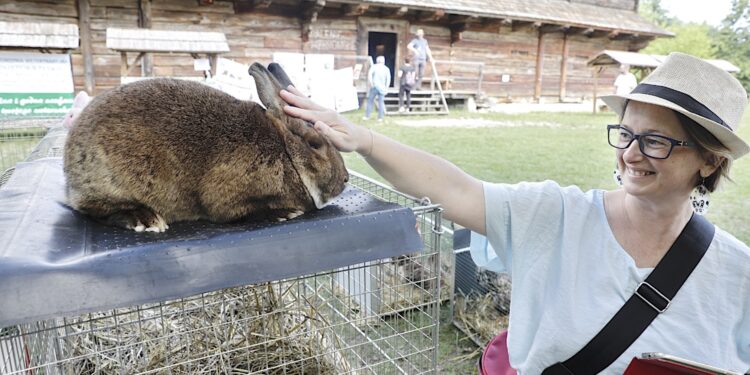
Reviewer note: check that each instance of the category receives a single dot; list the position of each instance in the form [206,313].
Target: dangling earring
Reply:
[617,176]
[699,198]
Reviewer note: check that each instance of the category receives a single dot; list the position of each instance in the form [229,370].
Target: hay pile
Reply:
[484,313]
[411,280]
[239,331]
[477,317]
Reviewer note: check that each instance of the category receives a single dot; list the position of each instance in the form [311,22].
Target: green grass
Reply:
[572,151]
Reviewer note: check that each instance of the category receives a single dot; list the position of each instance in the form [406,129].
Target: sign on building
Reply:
[35,84]
[314,75]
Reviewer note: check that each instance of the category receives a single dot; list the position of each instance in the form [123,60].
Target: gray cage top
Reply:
[55,262]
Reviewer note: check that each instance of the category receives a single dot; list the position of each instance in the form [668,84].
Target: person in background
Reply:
[625,81]
[421,54]
[576,257]
[407,81]
[379,78]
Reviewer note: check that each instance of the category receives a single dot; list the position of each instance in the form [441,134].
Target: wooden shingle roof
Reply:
[148,40]
[38,35]
[552,11]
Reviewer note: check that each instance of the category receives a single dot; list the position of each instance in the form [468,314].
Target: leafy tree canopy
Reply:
[730,41]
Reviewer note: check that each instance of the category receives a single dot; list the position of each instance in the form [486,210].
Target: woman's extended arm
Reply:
[410,170]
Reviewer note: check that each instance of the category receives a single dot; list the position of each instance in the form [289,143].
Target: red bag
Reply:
[676,366]
[494,360]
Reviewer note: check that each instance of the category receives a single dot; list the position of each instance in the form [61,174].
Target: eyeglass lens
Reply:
[651,145]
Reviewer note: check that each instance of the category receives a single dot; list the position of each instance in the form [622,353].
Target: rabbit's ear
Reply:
[268,89]
[307,134]
[280,75]
[81,100]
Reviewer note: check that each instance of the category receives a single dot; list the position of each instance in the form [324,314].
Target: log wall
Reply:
[254,36]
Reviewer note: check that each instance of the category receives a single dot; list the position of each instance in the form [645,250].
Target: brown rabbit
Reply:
[153,152]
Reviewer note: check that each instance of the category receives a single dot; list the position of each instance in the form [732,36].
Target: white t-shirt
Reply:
[570,276]
[625,83]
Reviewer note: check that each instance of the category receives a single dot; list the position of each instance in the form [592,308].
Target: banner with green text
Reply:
[35,85]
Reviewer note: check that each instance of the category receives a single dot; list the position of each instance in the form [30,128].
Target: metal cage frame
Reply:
[379,317]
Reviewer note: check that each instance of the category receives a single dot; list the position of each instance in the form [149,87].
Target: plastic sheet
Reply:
[56,262]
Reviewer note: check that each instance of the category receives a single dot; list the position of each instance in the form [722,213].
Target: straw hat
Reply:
[699,90]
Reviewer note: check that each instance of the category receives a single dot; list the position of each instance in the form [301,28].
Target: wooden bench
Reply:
[144,41]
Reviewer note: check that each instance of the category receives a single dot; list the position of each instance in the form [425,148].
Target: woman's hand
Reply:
[412,171]
[342,133]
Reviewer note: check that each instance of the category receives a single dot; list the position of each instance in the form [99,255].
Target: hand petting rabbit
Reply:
[154,152]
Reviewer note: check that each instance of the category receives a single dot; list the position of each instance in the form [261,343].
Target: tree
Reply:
[691,38]
[732,40]
[652,11]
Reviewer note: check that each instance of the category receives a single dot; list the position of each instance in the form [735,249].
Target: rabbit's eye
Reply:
[314,143]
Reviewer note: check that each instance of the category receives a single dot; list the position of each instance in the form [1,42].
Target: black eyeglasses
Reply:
[652,145]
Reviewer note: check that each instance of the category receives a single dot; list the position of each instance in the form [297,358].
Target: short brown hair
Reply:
[710,148]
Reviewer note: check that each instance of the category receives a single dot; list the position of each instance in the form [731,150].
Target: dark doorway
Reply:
[383,44]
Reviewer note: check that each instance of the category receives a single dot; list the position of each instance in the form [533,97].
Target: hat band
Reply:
[680,98]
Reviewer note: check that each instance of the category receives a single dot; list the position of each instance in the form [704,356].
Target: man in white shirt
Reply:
[625,82]
[421,54]
[379,79]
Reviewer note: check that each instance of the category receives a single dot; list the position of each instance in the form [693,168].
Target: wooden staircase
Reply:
[423,102]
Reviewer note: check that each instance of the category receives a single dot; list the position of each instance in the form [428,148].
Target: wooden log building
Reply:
[512,49]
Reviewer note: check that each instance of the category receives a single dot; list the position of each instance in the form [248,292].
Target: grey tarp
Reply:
[55,262]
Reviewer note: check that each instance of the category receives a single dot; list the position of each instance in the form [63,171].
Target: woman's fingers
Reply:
[304,114]
[341,139]
[294,97]
[294,91]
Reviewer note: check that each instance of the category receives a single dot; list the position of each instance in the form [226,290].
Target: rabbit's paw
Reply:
[294,214]
[290,216]
[140,220]
[158,225]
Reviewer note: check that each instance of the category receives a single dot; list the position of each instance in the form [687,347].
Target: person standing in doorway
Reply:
[407,81]
[379,80]
[421,54]
[625,82]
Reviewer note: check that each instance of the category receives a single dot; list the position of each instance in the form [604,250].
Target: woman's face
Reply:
[662,179]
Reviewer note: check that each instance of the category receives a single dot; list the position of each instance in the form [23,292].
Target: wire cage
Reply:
[16,144]
[376,317]
[481,297]
[444,240]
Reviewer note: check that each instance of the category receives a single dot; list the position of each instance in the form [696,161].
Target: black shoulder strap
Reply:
[651,297]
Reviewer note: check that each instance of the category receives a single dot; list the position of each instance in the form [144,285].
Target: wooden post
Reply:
[539,63]
[481,78]
[144,21]
[213,59]
[84,27]
[596,80]
[564,68]
[123,64]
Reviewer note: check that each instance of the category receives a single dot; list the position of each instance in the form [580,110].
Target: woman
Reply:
[576,257]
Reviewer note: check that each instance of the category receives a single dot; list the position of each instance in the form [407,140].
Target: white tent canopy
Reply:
[644,61]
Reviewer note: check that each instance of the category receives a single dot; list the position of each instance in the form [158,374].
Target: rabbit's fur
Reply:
[153,152]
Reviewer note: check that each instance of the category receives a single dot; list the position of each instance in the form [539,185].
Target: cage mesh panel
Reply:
[375,318]
[23,144]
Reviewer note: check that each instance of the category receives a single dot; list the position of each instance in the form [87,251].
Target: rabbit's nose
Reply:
[346,178]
